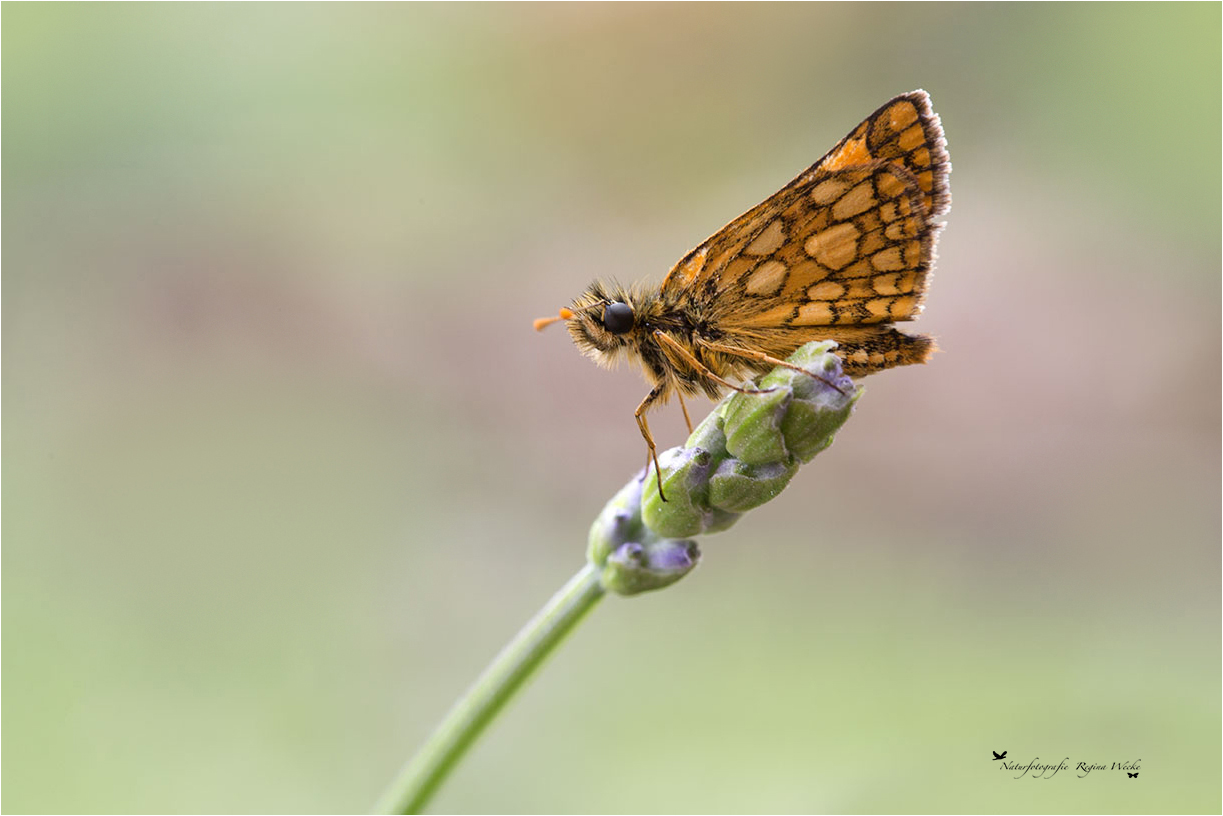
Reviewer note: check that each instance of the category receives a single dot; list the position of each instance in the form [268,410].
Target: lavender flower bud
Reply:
[747,450]
[633,557]
[743,454]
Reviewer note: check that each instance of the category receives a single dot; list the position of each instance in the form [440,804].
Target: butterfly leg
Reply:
[644,427]
[684,408]
[763,358]
[685,355]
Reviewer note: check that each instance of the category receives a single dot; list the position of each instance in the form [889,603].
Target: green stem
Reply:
[420,778]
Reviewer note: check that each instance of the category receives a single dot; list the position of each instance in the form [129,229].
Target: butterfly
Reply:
[998,755]
[1132,775]
[840,253]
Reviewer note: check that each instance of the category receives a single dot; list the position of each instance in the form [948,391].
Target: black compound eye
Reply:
[618,317]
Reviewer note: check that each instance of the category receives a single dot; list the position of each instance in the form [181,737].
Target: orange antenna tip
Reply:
[543,322]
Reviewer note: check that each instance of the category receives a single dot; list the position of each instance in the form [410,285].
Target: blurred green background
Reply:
[285,465]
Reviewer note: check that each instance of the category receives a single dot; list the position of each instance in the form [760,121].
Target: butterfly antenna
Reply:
[542,323]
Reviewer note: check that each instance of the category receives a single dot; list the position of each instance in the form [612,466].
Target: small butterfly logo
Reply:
[1133,774]
[998,756]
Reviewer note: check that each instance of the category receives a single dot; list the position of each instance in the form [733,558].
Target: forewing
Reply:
[848,242]
[853,248]
[905,131]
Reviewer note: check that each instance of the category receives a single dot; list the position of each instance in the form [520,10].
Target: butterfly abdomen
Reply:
[866,350]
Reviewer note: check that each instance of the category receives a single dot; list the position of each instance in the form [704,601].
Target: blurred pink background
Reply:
[285,464]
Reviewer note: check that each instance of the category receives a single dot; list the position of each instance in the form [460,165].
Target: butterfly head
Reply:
[605,321]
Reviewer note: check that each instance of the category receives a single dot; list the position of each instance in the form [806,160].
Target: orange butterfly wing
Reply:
[843,248]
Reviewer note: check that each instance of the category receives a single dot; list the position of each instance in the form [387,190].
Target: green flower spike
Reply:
[743,454]
[739,458]
[631,557]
